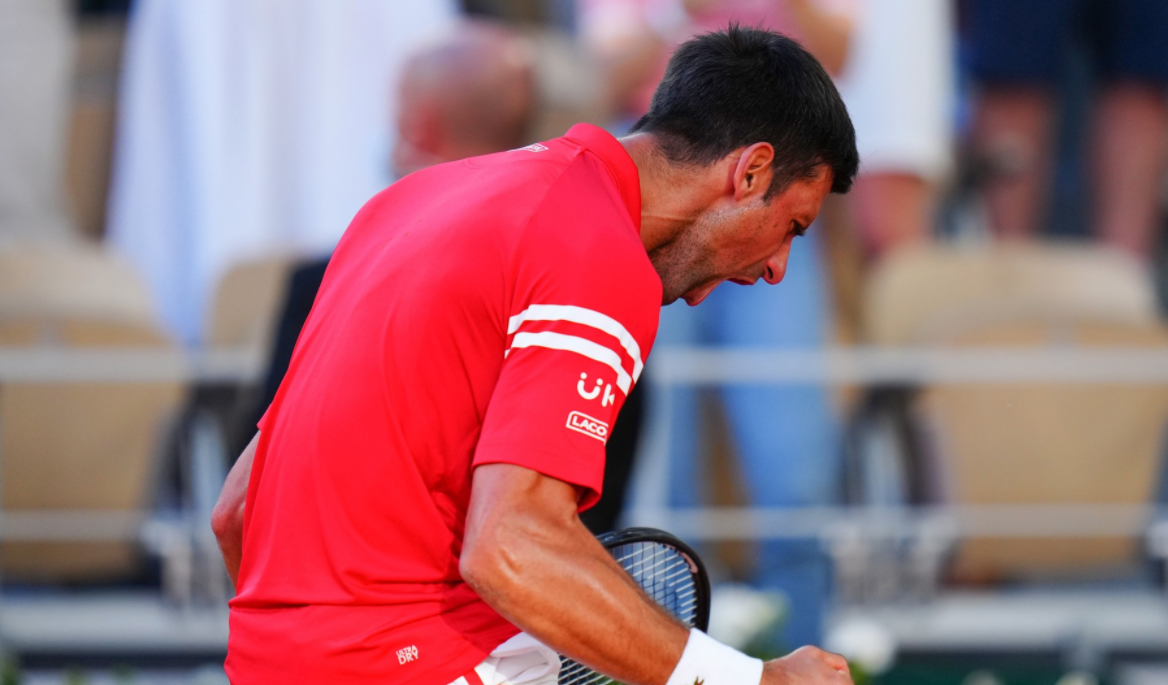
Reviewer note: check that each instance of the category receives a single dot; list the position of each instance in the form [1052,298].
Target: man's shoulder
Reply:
[534,173]
[586,248]
[538,163]
[501,189]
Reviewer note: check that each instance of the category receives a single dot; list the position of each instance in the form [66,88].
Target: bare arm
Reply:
[528,556]
[227,518]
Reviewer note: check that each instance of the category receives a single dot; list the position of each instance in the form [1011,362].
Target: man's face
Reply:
[739,242]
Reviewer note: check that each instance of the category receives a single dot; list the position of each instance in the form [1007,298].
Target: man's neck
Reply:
[672,196]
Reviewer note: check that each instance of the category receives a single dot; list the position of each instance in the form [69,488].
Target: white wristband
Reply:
[709,662]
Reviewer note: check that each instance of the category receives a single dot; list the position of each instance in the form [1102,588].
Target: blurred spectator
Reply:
[897,81]
[786,437]
[634,38]
[473,94]
[550,13]
[1017,52]
[36,53]
[250,127]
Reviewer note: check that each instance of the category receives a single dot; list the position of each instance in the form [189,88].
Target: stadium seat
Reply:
[242,320]
[70,446]
[1047,444]
[919,293]
[246,302]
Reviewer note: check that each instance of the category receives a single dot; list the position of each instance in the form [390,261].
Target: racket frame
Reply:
[697,568]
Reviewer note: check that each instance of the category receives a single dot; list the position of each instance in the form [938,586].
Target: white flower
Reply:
[863,642]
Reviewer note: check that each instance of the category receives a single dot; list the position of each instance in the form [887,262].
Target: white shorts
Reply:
[898,84]
[522,660]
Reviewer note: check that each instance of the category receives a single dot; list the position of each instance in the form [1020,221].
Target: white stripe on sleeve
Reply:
[586,317]
[581,346]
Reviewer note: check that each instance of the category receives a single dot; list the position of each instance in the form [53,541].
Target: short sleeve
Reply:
[580,324]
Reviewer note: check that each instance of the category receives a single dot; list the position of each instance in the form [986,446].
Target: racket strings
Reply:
[665,575]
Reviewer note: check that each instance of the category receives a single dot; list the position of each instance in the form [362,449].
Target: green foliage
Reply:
[10,672]
[124,675]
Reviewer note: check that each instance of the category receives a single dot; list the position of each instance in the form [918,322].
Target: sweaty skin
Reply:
[527,554]
[707,225]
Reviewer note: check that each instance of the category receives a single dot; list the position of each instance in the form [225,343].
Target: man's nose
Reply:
[776,268]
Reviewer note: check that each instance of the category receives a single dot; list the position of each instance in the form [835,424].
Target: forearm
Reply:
[557,583]
[231,548]
[227,517]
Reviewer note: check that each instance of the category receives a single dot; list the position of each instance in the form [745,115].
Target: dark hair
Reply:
[725,90]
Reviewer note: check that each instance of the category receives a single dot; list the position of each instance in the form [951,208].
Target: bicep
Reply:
[552,412]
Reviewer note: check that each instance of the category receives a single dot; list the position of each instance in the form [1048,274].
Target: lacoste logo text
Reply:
[583,423]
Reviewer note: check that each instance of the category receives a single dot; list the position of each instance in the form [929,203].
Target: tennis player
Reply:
[407,512]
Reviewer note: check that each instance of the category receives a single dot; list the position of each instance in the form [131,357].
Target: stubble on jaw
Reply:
[681,265]
[687,261]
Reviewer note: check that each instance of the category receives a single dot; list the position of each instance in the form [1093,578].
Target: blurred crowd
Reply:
[201,142]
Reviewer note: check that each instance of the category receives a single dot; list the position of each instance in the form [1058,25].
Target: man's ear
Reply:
[753,172]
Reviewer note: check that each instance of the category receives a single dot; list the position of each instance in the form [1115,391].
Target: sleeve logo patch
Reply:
[583,423]
[609,395]
[534,147]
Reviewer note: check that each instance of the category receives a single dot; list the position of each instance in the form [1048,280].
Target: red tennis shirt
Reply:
[492,310]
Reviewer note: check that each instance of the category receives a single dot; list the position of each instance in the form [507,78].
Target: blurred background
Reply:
[937,447]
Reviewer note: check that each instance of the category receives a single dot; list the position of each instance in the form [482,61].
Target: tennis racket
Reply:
[667,570]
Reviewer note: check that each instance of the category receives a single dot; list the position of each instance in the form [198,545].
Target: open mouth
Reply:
[695,296]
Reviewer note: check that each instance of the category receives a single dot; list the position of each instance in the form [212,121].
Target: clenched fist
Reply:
[807,666]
